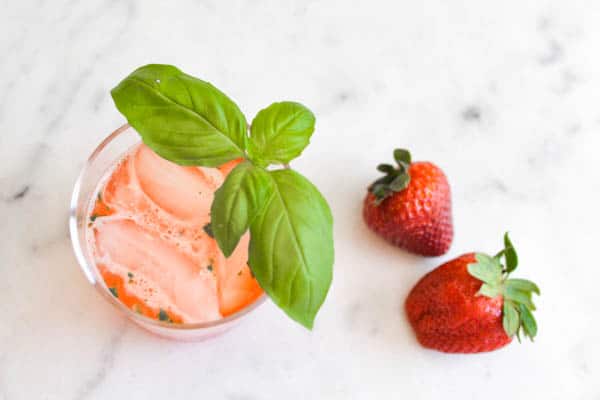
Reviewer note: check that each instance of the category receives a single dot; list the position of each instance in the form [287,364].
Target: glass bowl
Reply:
[102,159]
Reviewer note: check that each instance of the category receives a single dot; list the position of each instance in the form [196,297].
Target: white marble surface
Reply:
[504,95]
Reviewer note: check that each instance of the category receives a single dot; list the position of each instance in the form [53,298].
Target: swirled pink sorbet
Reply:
[150,237]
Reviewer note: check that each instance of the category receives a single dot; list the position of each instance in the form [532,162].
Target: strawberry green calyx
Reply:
[517,312]
[395,179]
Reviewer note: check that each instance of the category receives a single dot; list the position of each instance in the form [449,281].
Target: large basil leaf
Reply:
[291,246]
[182,118]
[241,197]
[280,132]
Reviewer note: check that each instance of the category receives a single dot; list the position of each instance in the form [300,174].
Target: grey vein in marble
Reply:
[19,195]
[471,114]
[107,360]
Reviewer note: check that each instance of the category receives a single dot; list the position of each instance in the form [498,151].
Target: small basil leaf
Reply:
[528,321]
[291,246]
[280,132]
[510,254]
[208,230]
[182,118]
[510,320]
[523,285]
[486,269]
[402,156]
[237,202]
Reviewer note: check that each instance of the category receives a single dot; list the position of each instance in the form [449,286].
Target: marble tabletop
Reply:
[503,95]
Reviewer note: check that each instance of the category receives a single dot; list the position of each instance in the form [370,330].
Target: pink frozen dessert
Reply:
[150,234]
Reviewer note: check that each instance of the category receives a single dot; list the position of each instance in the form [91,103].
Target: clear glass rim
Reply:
[89,270]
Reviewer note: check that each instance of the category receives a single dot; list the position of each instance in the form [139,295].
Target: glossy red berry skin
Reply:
[448,315]
[418,218]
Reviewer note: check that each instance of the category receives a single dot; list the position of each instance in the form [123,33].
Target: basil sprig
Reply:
[190,122]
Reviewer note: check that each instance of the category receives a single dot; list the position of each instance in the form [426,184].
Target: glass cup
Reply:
[102,159]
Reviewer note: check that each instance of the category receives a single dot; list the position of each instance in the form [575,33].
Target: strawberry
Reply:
[469,305]
[410,206]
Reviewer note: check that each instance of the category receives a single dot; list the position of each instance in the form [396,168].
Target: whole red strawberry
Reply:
[468,305]
[410,206]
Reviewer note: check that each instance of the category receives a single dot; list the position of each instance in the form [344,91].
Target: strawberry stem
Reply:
[517,311]
[395,179]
